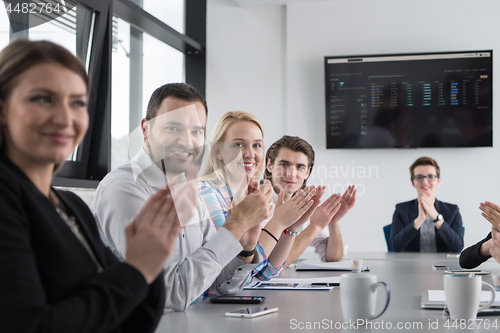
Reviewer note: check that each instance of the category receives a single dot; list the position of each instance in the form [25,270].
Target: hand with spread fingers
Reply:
[152,235]
[291,211]
[422,215]
[427,203]
[326,211]
[346,203]
[320,190]
[491,212]
[257,206]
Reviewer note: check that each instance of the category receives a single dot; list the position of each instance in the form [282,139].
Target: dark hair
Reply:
[293,143]
[22,54]
[178,90]
[424,161]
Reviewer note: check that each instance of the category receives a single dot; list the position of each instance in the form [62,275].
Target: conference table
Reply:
[407,274]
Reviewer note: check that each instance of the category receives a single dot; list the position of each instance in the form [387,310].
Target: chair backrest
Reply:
[387,234]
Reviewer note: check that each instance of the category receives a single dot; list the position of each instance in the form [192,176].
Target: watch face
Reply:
[439,218]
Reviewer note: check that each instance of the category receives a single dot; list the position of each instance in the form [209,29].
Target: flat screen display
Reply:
[409,100]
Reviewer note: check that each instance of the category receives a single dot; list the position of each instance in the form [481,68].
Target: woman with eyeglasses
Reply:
[426,224]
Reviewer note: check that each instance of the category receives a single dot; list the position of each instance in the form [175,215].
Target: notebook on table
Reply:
[435,299]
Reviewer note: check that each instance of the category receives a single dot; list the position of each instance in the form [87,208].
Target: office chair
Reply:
[387,234]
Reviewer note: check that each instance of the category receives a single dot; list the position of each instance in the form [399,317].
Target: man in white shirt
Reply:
[204,262]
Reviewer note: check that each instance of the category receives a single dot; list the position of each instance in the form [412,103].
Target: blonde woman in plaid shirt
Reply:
[236,156]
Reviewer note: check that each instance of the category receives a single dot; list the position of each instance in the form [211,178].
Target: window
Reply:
[130,48]
[147,53]
[73,30]
[170,12]
[135,76]
[120,89]
[82,30]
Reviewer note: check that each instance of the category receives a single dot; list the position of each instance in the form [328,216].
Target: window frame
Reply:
[94,156]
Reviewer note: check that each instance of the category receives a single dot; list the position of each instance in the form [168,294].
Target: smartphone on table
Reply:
[254,311]
[440,267]
[238,299]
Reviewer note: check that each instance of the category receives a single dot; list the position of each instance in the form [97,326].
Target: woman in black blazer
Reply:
[56,275]
[426,224]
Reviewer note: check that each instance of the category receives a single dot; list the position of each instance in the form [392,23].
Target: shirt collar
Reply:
[143,167]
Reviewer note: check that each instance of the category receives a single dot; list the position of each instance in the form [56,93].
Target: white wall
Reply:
[269,61]
[245,63]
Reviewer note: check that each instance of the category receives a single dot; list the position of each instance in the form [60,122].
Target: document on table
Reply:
[311,265]
[438,296]
[320,283]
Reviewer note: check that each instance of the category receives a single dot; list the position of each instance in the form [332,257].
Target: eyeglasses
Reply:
[420,178]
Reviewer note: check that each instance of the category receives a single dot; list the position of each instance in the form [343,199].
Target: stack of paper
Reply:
[325,266]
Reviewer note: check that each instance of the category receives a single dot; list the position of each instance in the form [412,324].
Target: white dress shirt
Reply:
[202,257]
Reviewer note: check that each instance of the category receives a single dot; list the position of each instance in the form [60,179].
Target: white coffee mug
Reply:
[357,296]
[463,294]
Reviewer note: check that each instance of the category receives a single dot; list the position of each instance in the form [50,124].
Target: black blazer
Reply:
[49,282]
[405,238]
[471,258]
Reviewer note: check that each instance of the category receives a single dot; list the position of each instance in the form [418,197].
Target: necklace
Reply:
[73,226]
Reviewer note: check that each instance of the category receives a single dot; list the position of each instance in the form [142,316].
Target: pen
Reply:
[327,284]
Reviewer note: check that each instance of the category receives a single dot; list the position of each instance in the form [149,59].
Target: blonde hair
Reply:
[213,169]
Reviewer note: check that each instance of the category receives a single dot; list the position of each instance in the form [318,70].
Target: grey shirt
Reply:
[202,257]
[428,236]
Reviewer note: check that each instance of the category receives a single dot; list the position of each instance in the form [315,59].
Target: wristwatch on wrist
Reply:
[291,233]
[246,254]
[438,218]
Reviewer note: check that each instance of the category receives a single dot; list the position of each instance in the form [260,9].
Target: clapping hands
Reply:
[426,202]
[491,212]
[334,208]
[246,217]
[346,203]
[495,245]
[152,235]
[295,208]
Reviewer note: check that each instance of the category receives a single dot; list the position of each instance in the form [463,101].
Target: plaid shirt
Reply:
[218,201]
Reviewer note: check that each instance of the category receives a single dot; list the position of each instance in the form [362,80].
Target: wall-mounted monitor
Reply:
[409,100]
